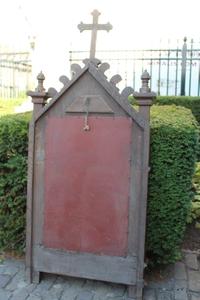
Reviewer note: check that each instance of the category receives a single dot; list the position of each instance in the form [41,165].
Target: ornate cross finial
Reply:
[94,27]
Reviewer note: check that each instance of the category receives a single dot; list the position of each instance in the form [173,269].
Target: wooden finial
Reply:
[145,82]
[39,96]
[40,88]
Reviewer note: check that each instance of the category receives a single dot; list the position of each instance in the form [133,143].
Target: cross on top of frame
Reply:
[94,27]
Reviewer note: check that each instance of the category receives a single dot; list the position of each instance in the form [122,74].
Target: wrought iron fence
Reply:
[174,71]
[15,74]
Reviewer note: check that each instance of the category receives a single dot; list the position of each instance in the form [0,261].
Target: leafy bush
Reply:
[192,103]
[13,178]
[174,144]
[194,215]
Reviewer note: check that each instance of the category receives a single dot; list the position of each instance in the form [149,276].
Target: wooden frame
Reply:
[127,270]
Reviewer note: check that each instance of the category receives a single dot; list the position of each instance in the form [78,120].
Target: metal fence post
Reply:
[183,67]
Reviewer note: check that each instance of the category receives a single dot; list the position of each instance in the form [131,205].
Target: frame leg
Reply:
[135,292]
[28,275]
[132,292]
[35,277]
[32,276]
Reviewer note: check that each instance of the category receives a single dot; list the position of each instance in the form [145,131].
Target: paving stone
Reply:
[45,284]
[19,263]
[119,289]
[180,290]
[52,294]
[17,281]
[164,295]
[164,284]
[115,290]
[61,282]
[180,284]
[109,289]
[75,287]
[85,295]
[180,294]
[69,294]
[52,287]
[34,297]
[195,297]
[96,297]
[4,295]
[20,295]
[149,294]
[76,282]
[4,280]
[191,261]
[23,292]
[89,285]
[1,268]
[116,298]
[180,271]
[59,286]
[194,280]
[9,270]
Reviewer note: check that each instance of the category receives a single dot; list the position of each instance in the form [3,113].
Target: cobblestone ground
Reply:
[182,283]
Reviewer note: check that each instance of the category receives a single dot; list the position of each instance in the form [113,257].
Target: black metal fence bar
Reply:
[15,74]
[198,88]
[177,68]
[190,72]
[174,71]
[167,87]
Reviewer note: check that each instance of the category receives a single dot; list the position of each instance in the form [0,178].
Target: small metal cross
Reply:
[94,27]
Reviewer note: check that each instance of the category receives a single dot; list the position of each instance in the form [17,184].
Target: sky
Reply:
[136,24]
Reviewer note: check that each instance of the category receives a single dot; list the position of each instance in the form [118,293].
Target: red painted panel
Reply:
[87,184]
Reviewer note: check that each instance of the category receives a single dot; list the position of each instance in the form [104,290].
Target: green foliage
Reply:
[194,215]
[13,178]
[174,144]
[174,137]
[192,103]
[7,106]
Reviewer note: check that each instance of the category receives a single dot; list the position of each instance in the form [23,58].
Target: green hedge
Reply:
[13,179]
[192,103]
[174,137]
[174,145]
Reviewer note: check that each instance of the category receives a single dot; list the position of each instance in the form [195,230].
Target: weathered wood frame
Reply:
[126,270]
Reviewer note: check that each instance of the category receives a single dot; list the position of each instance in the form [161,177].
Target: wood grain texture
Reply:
[125,266]
[106,268]
[29,209]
